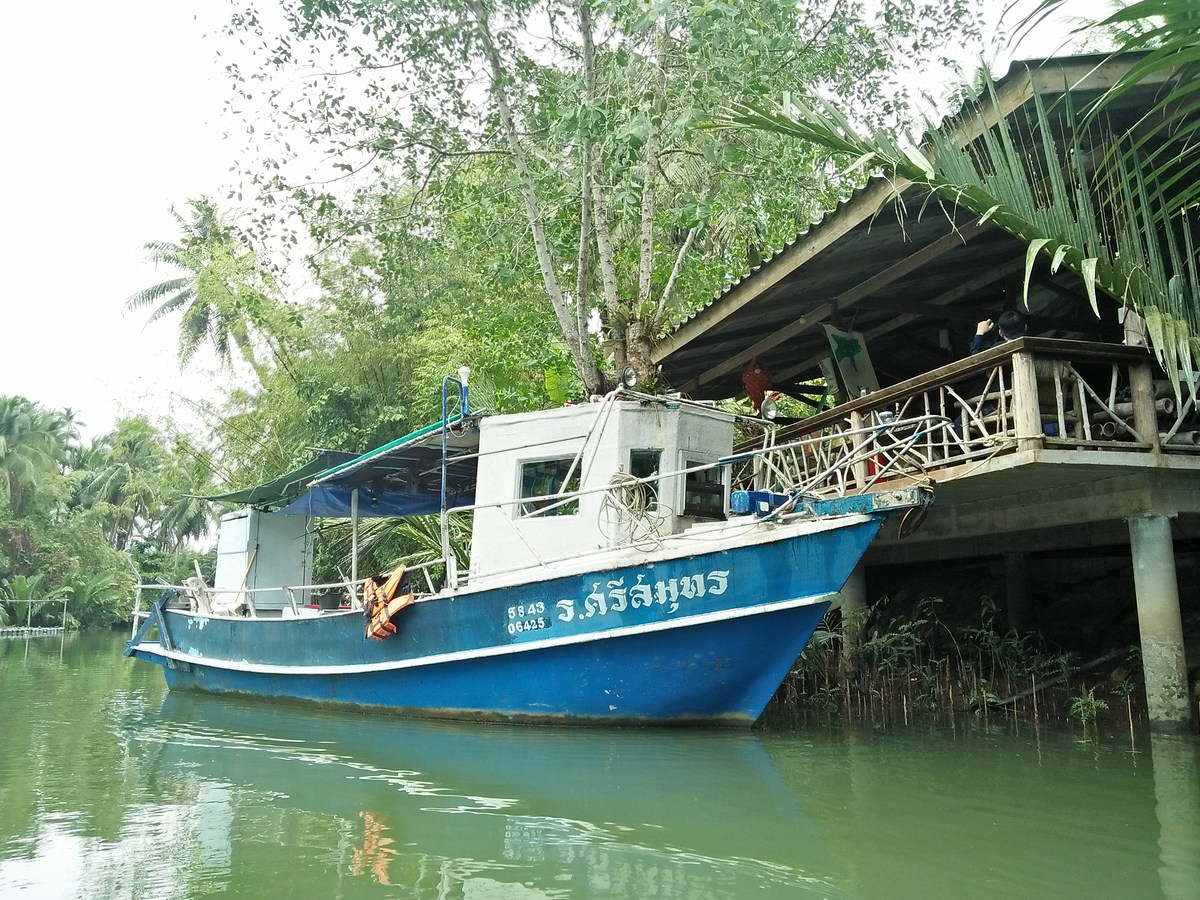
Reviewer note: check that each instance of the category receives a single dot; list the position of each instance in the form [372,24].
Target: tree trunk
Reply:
[588,372]
[638,344]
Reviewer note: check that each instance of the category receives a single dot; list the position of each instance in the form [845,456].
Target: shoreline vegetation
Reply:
[923,670]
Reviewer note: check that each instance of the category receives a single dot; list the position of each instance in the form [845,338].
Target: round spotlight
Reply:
[629,377]
[769,409]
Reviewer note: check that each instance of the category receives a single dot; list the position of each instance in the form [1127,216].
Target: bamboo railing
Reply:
[1026,395]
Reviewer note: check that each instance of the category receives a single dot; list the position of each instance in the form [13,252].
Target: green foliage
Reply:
[1086,707]
[221,293]
[563,169]
[1115,209]
[80,506]
[33,442]
[385,543]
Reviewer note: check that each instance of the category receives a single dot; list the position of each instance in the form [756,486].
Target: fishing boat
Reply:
[626,566]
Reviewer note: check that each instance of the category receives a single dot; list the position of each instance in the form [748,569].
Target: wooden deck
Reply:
[1018,443]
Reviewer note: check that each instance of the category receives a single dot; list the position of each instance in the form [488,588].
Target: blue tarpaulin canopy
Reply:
[333,501]
[401,478]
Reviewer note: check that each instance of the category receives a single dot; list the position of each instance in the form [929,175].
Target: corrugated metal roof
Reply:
[913,321]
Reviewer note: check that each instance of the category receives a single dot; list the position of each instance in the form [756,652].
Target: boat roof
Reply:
[399,478]
[287,487]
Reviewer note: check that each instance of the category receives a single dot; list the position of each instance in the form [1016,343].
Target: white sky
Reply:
[112,113]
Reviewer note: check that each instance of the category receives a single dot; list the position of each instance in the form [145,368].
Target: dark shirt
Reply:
[982,342]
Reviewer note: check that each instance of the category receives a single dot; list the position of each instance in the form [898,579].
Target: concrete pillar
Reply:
[854,612]
[1016,588]
[1163,664]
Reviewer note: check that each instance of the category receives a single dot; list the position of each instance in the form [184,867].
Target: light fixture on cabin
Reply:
[769,408]
[464,373]
[629,377]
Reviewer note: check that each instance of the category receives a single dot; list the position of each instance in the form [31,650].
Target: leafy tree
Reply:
[221,292]
[32,442]
[585,132]
[397,311]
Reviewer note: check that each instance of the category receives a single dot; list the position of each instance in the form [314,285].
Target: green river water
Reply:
[110,787]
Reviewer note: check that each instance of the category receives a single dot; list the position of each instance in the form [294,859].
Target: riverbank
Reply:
[938,649]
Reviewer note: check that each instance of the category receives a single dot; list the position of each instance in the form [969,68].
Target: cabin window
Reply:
[544,478]
[703,492]
[644,464]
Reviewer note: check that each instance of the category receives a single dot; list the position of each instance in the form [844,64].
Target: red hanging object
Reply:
[756,379]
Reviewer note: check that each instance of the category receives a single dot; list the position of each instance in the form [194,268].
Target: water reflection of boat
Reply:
[624,582]
[559,811]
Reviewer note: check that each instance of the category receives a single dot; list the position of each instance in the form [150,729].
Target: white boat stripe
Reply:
[156,649]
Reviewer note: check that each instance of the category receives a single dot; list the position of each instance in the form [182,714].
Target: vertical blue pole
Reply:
[444,519]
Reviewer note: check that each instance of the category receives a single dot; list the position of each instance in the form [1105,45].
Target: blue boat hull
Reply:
[716,672]
[687,638]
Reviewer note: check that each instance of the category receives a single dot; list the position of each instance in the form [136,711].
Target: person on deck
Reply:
[1012,325]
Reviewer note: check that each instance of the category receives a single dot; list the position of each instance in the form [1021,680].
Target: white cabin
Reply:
[260,551]
[535,455]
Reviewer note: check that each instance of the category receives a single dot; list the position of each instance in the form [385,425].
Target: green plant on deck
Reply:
[385,543]
[1085,708]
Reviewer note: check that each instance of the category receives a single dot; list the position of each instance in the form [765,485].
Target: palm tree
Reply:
[1123,222]
[187,474]
[219,289]
[125,483]
[32,441]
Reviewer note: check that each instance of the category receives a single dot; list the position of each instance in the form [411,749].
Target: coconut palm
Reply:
[1122,220]
[124,486]
[184,515]
[32,441]
[218,289]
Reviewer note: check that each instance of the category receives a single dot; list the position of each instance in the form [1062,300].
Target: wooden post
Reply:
[353,537]
[860,468]
[1027,416]
[1164,665]
[1145,416]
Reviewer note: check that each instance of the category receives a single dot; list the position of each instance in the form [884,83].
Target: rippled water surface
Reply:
[110,787]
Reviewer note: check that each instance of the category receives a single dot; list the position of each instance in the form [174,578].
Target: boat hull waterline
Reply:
[696,638]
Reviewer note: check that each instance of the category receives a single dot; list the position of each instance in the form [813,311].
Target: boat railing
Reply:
[642,525]
[244,598]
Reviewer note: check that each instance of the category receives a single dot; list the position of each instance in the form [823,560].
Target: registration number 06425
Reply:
[527,617]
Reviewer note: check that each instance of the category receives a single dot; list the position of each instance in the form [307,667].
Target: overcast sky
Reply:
[112,113]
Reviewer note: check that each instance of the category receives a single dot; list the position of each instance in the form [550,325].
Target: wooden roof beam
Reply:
[845,300]
[963,290]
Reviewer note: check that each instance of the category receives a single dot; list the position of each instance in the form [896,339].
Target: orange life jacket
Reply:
[383,597]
